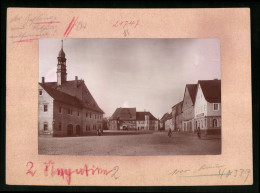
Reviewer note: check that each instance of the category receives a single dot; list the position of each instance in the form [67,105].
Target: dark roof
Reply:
[164,117]
[178,108]
[169,116]
[61,96]
[211,90]
[141,116]
[192,88]
[81,92]
[124,114]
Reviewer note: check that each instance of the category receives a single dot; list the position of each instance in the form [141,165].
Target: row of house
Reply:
[130,119]
[200,108]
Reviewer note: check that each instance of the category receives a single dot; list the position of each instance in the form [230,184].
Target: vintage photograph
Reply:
[129,97]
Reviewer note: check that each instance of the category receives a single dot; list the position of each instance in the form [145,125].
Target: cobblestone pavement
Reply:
[131,144]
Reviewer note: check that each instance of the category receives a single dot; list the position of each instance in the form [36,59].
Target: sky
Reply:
[148,74]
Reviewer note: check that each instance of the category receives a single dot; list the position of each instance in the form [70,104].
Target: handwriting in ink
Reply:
[215,170]
[176,171]
[70,27]
[126,33]
[66,173]
[126,23]
[116,168]
[30,28]
[29,171]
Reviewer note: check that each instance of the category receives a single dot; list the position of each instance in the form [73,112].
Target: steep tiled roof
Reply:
[141,116]
[178,108]
[169,116]
[211,90]
[61,96]
[164,117]
[192,88]
[80,91]
[124,114]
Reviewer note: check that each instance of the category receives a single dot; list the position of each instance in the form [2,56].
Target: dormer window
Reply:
[40,92]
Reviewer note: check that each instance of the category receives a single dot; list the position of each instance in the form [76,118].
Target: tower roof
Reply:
[61,53]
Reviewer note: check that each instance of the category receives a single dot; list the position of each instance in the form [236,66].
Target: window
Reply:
[78,113]
[86,114]
[59,109]
[69,111]
[45,127]
[60,126]
[90,115]
[215,106]
[45,108]
[40,92]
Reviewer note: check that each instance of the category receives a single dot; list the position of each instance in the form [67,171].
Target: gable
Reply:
[80,91]
[211,90]
[187,101]
[124,114]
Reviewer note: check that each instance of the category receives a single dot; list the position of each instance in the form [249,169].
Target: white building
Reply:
[207,106]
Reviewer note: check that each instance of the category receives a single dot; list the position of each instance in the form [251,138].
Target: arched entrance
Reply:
[78,130]
[70,130]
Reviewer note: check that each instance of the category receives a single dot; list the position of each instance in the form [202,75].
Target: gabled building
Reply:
[162,121]
[129,119]
[67,108]
[169,122]
[146,121]
[178,116]
[208,106]
[188,108]
[123,119]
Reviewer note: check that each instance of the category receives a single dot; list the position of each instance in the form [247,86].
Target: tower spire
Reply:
[61,67]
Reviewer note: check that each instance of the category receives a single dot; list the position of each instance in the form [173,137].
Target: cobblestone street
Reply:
[131,143]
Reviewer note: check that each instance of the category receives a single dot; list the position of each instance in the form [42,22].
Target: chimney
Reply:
[76,81]
[43,80]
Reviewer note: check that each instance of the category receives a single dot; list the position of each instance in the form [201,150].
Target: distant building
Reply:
[188,124]
[66,108]
[178,116]
[129,119]
[122,119]
[169,122]
[146,121]
[208,106]
[162,121]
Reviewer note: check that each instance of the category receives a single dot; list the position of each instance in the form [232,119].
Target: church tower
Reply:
[61,67]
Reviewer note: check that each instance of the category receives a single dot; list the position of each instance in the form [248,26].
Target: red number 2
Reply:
[29,171]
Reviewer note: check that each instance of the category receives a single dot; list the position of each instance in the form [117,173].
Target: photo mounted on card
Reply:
[107,104]
[113,105]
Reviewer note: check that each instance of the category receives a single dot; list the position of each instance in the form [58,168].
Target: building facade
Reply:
[146,121]
[162,121]
[169,122]
[67,108]
[208,106]
[129,119]
[188,124]
[179,116]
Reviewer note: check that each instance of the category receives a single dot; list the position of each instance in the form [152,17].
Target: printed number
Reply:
[29,171]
